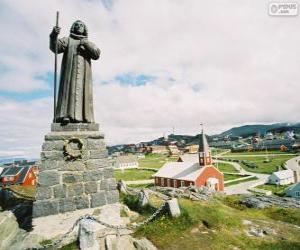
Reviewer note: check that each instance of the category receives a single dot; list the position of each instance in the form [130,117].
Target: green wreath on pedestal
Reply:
[69,152]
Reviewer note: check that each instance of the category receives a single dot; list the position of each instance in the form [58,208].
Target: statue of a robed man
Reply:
[75,97]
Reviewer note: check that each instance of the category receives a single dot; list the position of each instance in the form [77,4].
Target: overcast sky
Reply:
[163,64]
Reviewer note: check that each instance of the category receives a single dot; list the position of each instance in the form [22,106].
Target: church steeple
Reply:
[204,150]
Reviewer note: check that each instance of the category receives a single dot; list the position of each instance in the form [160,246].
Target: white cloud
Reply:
[230,63]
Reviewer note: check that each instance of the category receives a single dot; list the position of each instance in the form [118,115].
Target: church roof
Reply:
[186,171]
[203,144]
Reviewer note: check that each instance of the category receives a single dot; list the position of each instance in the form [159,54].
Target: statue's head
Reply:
[79,28]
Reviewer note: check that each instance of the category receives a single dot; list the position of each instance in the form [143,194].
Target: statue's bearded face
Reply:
[79,28]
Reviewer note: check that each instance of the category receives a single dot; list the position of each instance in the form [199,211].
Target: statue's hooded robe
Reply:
[75,97]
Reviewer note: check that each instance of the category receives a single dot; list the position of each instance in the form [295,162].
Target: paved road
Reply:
[293,163]
[242,188]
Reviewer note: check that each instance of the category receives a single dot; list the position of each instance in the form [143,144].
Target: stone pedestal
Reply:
[74,172]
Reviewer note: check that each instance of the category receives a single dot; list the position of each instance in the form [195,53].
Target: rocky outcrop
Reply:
[11,236]
[270,201]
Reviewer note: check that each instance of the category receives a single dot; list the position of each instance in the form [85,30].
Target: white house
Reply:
[283,177]
[126,161]
[293,191]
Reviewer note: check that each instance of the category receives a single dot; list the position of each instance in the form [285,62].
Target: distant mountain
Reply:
[260,129]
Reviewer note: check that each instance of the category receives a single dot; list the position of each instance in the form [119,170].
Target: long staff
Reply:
[55,70]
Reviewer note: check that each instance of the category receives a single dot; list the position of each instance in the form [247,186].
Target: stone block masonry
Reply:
[74,172]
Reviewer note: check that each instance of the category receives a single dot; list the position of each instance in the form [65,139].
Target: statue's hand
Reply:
[56,30]
[83,42]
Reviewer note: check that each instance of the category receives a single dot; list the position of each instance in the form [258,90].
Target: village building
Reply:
[158,150]
[126,161]
[24,176]
[173,151]
[283,177]
[191,173]
[192,149]
[293,191]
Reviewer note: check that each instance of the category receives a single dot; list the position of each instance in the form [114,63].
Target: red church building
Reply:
[15,175]
[191,173]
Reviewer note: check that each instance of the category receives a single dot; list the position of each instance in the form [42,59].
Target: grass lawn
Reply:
[263,167]
[154,161]
[277,190]
[216,225]
[225,167]
[240,181]
[133,174]
[228,177]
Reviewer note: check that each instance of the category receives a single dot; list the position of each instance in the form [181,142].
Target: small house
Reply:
[191,173]
[24,176]
[126,161]
[283,177]
[293,191]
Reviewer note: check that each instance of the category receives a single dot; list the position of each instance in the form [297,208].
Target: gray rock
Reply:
[53,146]
[122,187]
[108,184]
[48,178]
[112,196]
[143,198]
[94,175]
[88,235]
[10,234]
[82,202]
[52,155]
[173,207]
[91,187]
[108,173]
[71,166]
[98,154]
[43,193]
[48,165]
[98,199]
[57,127]
[143,244]
[74,189]
[95,164]
[95,144]
[256,232]
[60,191]
[72,177]
[66,205]
[45,208]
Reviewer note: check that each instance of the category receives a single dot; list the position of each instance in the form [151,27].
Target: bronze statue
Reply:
[75,97]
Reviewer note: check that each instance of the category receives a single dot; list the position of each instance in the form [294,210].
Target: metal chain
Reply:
[116,227]
[57,242]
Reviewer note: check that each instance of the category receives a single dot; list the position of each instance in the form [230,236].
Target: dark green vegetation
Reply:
[133,174]
[218,224]
[72,246]
[277,190]
[241,181]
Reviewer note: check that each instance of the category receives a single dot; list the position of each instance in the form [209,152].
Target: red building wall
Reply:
[30,179]
[210,172]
